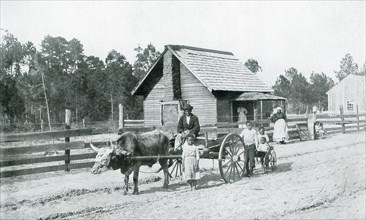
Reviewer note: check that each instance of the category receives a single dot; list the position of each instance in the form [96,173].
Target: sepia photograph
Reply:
[182,109]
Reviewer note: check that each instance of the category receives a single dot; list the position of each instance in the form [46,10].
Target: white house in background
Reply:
[348,93]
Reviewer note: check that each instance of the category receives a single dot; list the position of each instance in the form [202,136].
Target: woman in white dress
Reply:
[242,117]
[280,134]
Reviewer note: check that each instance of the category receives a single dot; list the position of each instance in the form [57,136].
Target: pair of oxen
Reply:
[130,144]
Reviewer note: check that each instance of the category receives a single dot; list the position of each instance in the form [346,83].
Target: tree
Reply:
[91,86]
[320,84]
[346,67]
[362,71]
[59,59]
[120,84]
[10,99]
[282,87]
[11,54]
[253,65]
[293,86]
[145,58]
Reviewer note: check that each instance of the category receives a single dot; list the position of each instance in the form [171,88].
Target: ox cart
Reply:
[228,150]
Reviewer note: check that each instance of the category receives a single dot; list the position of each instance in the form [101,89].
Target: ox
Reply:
[129,144]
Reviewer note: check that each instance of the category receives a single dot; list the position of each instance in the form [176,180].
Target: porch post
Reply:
[261,110]
[254,114]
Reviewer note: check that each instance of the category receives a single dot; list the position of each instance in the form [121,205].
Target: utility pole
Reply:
[45,97]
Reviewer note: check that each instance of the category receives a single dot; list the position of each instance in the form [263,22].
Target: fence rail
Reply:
[77,159]
[45,135]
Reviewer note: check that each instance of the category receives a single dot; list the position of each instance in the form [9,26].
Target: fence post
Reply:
[120,116]
[42,125]
[358,118]
[311,127]
[206,139]
[342,120]
[67,139]
[83,122]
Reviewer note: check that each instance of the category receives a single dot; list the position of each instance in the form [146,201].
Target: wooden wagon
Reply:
[228,150]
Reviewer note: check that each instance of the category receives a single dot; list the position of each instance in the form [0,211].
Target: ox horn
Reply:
[93,147]
[113,147]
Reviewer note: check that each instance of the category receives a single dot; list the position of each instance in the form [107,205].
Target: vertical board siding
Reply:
[152,105]
[351,88]
[202,100]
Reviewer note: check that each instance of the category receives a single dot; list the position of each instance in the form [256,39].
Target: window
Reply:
[350,105]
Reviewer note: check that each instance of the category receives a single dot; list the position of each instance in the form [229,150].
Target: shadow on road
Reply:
[210,180]
[283,167]
[207,180]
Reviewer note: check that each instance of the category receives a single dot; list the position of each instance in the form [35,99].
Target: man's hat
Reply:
[187,107]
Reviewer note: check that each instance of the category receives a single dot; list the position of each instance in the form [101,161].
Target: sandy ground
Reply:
[322,179]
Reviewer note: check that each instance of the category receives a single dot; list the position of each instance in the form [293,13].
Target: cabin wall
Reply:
[349,89]
[224,110]
[202,100]
[152,106]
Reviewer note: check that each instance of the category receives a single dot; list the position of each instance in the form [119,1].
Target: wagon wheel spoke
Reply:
[237,170]
[226,163]
[242,170]
[175,165]
[230,154]
[240,152]
[180,170]
[237,148]
[231,170]
[227,170]
[177,168]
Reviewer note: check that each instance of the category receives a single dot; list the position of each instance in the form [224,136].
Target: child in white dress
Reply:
[190,163]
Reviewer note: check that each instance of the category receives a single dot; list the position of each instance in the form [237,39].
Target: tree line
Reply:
[40,83]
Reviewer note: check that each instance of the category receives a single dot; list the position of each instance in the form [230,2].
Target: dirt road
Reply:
[322,179]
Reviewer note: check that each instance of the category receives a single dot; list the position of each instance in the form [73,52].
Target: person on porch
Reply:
[242,117]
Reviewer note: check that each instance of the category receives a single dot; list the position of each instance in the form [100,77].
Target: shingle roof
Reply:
[251,96]
[219,70]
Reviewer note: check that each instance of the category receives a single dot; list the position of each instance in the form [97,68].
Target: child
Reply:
[190,163]
[261,133]
[249,136]
[262,149]
[319,129]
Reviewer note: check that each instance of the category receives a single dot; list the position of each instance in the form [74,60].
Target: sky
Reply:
[308,35]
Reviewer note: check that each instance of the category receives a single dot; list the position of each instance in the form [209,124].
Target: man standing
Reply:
[249,136]
[187,124]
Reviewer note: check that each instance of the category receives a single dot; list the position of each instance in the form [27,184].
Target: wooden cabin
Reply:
[348,93]
[214,82]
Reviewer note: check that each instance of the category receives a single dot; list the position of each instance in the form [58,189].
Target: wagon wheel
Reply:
[273,161]
[231,158]
[176,169]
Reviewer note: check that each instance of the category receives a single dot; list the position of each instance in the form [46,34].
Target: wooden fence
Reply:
[15,161]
